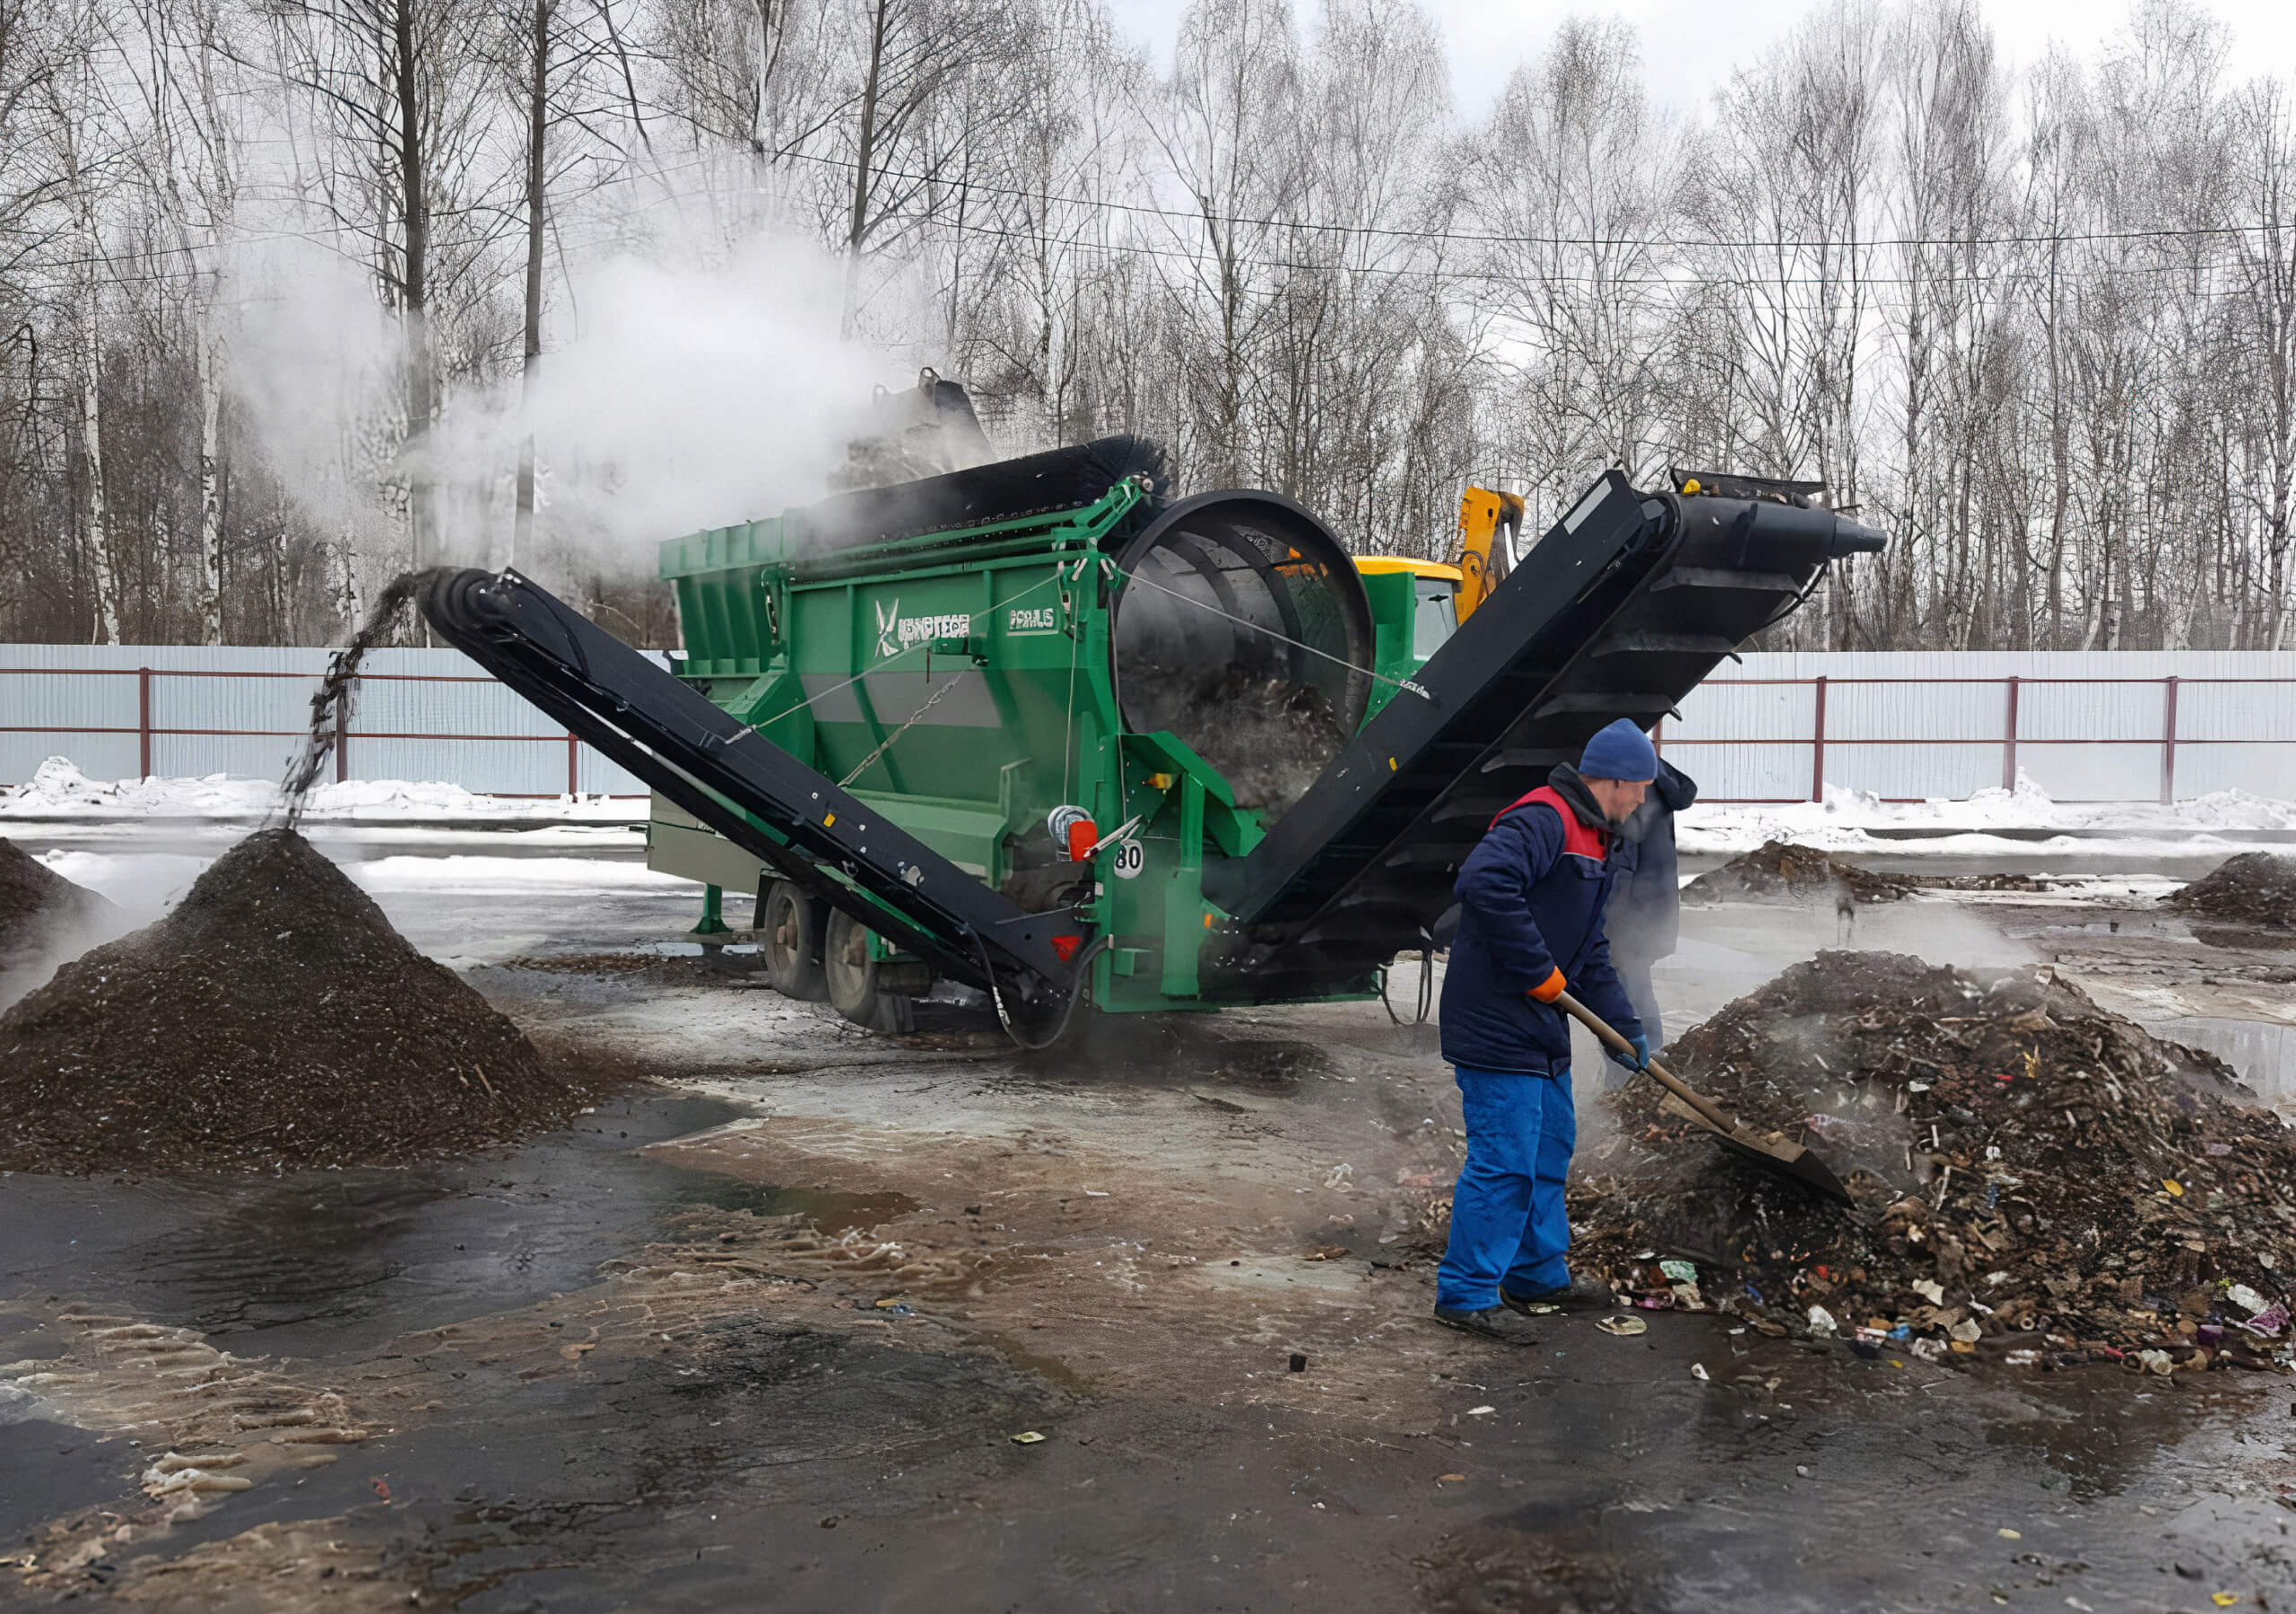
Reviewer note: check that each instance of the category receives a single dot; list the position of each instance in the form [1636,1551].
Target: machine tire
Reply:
[792,923]
[852,976]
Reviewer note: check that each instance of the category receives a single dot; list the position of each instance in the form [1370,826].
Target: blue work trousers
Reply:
[1508,1223]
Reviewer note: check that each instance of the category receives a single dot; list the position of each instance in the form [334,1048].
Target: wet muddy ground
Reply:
[763,1334]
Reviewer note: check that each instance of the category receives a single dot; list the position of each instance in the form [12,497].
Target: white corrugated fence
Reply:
[2103,726]
[173,711]
[2082,726]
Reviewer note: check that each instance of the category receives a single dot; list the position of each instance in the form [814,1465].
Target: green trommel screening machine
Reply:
[1039,728]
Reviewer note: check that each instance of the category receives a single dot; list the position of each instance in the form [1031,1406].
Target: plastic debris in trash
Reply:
[1687,1271]
[1622,1325]
[1929,1290]
[2246,1299]
[2175,1189]
[1483,1412]
[1027,1438]
[1965,1332]
[1698,1371]
[1449,1478]
[2224,1600]
[2023,1358]
[2270,1322]
[1867,1342]
[2156,1361]
[1821,1321]
[2008,1534]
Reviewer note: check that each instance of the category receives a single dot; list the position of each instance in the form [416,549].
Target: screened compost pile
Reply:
[2255,888]
[1783,871]
[39,907]
[2025,1165]
[274,1019]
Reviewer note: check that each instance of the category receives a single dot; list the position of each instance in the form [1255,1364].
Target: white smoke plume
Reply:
[678,390]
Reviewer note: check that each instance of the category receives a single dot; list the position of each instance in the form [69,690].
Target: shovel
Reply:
[1788,1161]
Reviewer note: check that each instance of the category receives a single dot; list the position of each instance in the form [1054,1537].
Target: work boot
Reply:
[1580,1294]
[1492,1323]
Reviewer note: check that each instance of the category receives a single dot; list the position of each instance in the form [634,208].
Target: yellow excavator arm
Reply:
[1490,525]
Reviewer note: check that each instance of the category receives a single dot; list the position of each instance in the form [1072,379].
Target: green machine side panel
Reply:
[1394,599]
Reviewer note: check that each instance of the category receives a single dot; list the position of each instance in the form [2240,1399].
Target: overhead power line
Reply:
[1480,238]
[1687,279]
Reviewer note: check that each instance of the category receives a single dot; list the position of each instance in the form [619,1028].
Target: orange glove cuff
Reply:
[1550,989]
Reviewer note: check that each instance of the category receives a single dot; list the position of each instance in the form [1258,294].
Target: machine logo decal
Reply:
[896,633]
[1033,619]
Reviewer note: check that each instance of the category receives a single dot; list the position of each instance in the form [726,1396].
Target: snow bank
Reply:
[507,876]
[1846,819]
[59,790]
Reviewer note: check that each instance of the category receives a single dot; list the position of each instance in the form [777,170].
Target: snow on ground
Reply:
[483,876]
[1846,820]
[57,789]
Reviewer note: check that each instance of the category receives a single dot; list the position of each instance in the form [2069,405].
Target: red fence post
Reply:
[1818,745]
[1658,736]
[2169,740]
[573,766]
[144,720]
[342,738]
[2009,740]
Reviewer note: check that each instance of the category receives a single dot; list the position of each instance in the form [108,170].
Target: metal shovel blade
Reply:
[1789,1162]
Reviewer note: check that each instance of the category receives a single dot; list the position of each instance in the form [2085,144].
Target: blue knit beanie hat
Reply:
[1619,751]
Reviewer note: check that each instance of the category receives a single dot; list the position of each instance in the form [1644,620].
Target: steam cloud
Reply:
[676,391]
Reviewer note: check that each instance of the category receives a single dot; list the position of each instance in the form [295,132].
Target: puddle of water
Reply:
[2263,1053]
[826,1208]
[314,1261]
[46,1469]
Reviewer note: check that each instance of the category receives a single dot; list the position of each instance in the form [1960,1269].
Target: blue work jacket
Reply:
[1531,898]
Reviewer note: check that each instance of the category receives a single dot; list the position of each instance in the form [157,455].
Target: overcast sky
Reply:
[1688,45]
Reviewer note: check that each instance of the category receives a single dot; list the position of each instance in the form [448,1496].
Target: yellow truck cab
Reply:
[1435,588]
[1444,595]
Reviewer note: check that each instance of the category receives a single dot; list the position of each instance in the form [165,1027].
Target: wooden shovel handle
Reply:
[1601,1027]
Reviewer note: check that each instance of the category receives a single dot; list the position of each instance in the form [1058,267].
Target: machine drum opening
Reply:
[1244,630]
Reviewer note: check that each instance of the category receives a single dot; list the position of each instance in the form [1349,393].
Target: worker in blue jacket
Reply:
[1531,899]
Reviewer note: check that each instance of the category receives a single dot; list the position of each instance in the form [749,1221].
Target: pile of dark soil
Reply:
[2027,1168]
[2255,888]
[37,905]
[274,1019]
[1783,871]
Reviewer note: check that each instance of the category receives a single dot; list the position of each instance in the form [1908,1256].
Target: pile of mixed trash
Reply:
[1788,872]
[2030,1170]
[2255,888]
[274,1019]
[39,909]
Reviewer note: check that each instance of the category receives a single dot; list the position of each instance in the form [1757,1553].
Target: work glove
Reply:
[1642,1053]
[1548,990]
